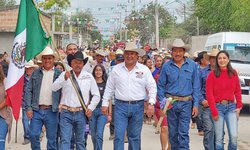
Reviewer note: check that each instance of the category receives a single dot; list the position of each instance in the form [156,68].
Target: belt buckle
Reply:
[224,102]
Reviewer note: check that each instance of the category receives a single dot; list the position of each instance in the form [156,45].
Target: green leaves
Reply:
[224,15]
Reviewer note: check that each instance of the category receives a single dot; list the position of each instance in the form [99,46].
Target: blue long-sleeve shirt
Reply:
[177,81]
[204,74]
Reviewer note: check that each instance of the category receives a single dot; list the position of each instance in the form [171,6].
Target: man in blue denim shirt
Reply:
[41,103]
[179,79]
[208,126]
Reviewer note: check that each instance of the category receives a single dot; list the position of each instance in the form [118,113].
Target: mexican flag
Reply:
[30,39]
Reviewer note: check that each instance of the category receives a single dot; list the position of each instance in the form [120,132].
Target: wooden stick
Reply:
[64,64]
[16,133]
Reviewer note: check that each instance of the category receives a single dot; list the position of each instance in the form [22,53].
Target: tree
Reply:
[7,3]
[56,5]
[143,21]
[224,15]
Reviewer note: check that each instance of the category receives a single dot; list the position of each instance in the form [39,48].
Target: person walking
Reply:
[179,80]
[223,93]
[29,68]
[129,82]
[73,118]
[41,102]
[98,120]
[208,126]
[5,113]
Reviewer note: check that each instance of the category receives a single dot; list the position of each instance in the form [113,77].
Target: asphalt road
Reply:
[150,140]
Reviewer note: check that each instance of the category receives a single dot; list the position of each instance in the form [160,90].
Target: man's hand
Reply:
[109,118]
[195,112]
[237,110]
[29,114]
[67,75]
[88,113]
[204,103]
[104,110]
[150,111]
[215,118]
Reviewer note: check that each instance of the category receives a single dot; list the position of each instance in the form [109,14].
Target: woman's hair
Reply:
[104,74]
[60,64]
[146,60]
[230,70]
[2,76]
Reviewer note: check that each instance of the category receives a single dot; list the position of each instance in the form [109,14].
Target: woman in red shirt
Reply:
[224,98]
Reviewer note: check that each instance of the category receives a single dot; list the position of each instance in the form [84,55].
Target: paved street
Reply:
[150,140]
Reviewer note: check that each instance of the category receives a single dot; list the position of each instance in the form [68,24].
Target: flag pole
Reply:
[16,132]
[64,64]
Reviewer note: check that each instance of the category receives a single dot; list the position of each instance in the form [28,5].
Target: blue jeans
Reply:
[179,117]
[130,117]
[97,124]
[199,120]
[49,119]
[208,128]
[227,115]
[72,122]
[3,132]
[26,125]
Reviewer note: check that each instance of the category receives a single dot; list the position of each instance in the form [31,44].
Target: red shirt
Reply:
[222,88]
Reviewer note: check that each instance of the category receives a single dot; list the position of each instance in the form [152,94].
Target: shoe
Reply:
[112,136]
[25,141]
[192,125]
[125,139]
[201,133]
[41,136]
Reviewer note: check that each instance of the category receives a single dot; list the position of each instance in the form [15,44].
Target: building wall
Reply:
[6,41]
[8,21]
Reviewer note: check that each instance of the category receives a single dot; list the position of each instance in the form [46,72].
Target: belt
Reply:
[72,109]
[225,102]
[130,102]
[45,106]
[179,98]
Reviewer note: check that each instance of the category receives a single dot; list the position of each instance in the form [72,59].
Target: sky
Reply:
[107,13]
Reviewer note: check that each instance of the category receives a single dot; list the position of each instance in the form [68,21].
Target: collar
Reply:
[185,61]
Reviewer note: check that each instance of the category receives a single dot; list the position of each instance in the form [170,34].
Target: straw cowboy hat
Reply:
[213,52]
[132,47]
[78,56]
[101,52]
[47,51]
[180,44]
[30,64]
[119,51]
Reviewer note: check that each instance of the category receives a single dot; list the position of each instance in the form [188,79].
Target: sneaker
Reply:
[25,141]
[192,125]
[201,133]
[112,136]
[125,139]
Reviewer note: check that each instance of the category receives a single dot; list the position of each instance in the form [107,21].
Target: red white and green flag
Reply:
[30,39]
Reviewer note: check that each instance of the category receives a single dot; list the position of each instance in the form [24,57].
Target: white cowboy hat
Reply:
[119,51]
[132,47]
[31,64]
[180,44]
[101,52]
[213,52]
[47,51]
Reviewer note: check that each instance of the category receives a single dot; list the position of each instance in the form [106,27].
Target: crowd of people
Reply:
[76,94]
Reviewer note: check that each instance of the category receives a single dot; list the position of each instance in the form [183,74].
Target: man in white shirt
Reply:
[72,116]
[41,102]
[129,82]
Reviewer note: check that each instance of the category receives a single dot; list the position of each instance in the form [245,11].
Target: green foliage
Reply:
[142,23]
[57,5]
[224,15]
[7,3]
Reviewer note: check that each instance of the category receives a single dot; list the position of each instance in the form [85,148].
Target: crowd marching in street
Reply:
[73,96]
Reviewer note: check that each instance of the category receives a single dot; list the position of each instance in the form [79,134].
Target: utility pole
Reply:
[156,25]
[198,26]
